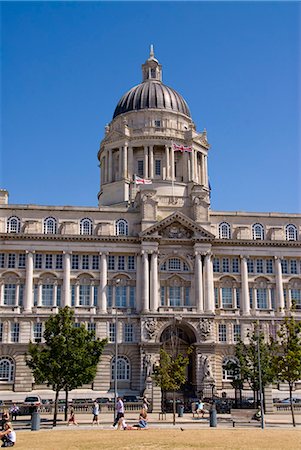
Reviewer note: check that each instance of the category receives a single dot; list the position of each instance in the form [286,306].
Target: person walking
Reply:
[95,412]
[119,411]
[14,410]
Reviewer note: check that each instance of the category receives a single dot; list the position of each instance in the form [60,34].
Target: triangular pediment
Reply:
[177,226]
[113,136]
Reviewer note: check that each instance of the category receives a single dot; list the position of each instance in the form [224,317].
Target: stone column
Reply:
[154,287]
[196,175]
[2,292]
[28,297]
[92,287]
[76,294]
[209,288]
[40,293]
[206,171]
[16,302]
[172,164]
[125,161]
[198,283]
[145,282]
[120,163]
[145,161]
[192,166]
[54,299]
[66,280]
[110,168]
[102,291]
[279,286]
[151,161]
[167,176]
[130,162]
[245,296]
[138,282]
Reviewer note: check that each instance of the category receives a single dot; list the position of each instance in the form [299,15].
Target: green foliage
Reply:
[170,375]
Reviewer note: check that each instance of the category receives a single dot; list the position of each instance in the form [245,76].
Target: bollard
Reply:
[35,421]
[180,410]
[213,417]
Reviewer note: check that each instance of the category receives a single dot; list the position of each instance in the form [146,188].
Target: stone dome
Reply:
[151,93]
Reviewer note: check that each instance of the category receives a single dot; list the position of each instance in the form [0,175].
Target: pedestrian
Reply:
[145,404]
[71,419]
[8,435]
[14,410]
[119,408]
[4,418]
[95,412]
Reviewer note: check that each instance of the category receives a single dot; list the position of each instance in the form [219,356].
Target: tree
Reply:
[246,369]
[170,375]
[287,357]
[69,357]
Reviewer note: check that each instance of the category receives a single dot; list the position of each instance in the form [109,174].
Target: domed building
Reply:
[151,262]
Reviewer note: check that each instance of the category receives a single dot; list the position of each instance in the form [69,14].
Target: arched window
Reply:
[291,232]
[174,265]
[224,230]
[229,373]
[86,226]
[123,369]
[7,369]
[13,225]
[50,225]
[121,228]
[258,231]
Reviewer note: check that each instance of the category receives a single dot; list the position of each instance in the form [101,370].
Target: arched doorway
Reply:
[176,339]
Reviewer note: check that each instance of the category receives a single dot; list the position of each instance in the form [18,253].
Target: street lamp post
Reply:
[260,379]
[116,349]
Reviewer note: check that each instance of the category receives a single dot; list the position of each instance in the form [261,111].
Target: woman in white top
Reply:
[8,435]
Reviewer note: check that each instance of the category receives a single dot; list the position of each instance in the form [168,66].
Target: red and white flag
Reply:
[182,148]
[139,180]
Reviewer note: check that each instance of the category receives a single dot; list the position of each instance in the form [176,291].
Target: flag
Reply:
[182,148]
[139,180]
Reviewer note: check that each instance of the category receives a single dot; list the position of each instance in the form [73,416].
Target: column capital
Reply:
[244,256]
[65,252]
[30,251]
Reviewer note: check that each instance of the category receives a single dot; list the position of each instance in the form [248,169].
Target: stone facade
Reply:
[153,255]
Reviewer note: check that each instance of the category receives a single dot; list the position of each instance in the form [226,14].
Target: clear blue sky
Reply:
[65,66]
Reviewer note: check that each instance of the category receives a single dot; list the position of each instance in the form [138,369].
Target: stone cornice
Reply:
[255,243]
[69,238]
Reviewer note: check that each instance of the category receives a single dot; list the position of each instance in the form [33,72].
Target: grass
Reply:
[160,439]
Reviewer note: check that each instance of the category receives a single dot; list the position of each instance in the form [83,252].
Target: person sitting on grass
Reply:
[8,435]
[123,426]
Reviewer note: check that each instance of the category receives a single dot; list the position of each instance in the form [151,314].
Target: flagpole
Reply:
[172,172]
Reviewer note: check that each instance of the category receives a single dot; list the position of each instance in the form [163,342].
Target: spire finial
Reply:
[151,53]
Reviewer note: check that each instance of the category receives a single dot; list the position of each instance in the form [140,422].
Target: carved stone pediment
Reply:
[178,226]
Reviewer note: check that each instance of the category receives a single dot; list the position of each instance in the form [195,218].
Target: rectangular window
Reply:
[128,332]
[72,295]
[259,265]
[110,296]
[91,326]
[175,296]
[112,332]
[174,264]
[48,261]
[262,298]
[273,298]
[35,294]
[236,332]
[120,296]
[111,262]
[85,262]
[226,265]
[75,262]
[58,296]
[121,262]
[15,332]
[187,296]
[158,167]
[235,265]
[22,261]
[47,295]
[59,262]
[215,264]
[269,266]
[38,261]
[1,332]
[284,266]
[11,260]
[157,123]
[250,264]
[10,294]
[77,324]
[162,296]
[293,266]
[131,262]
[216,297]
[285,297]
[95,296]
[2,260]
[84,294]
[132,296]
[251,297]
[237,298]
[21,294]
[37,332]
[227,298]
[296,297]
[95,262]
[140,168]
[222,332]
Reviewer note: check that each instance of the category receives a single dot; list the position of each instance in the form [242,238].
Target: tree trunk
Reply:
[174,407]
[292,405]
[55,407]
[66,404]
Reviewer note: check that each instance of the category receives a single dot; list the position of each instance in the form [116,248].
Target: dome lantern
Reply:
[151,69]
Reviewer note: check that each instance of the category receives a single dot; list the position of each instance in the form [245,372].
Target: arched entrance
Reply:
[176,339]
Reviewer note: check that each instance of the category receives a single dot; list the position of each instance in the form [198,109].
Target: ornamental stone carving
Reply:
[205,326]
[205,369]
[150,328]
[176,231]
